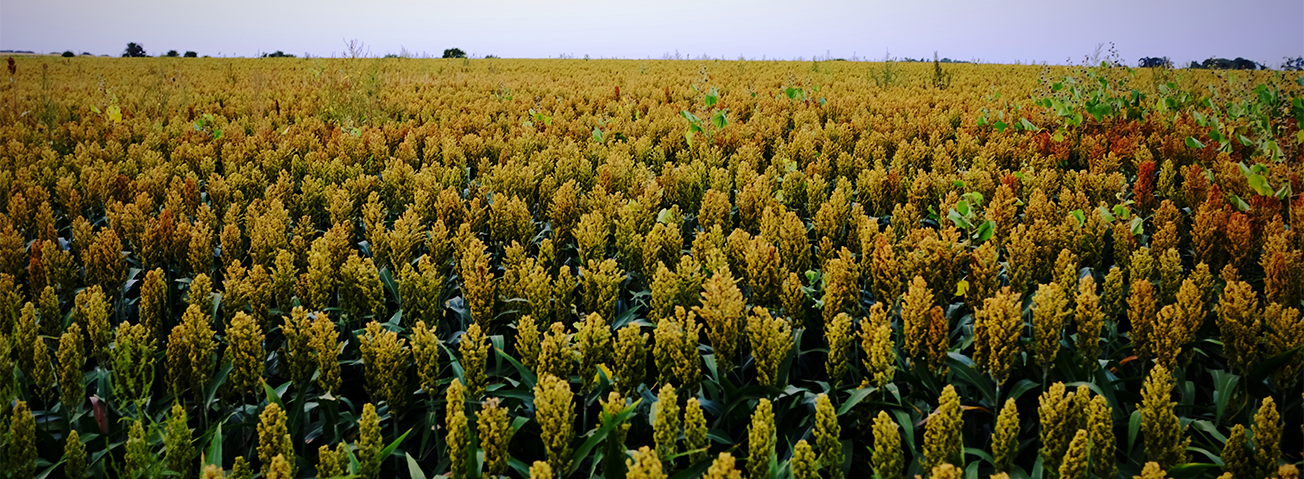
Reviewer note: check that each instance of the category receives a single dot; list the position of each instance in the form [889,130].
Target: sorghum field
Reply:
[377,268]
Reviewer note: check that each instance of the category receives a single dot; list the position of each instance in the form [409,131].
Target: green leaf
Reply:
[907,427]
[609,425]
[1020,388]
[1027,125]
[1193,143]
[1080,216]
[959,220]
[985,231]
[1122,212]
[1189,470]
[385,453]
[1138,225]
[214,453]
[218,380]
[664,216]
[688,136]
[272,396]
[597,135]
[527,376]
[1000,126]
[1133,427]
[115,114]
[690,117]
[1271,364]
[1240,204]
[1259,184]
[414,469]
[856,396]
[719,120]
[963,369]
[46,473]
[694,470]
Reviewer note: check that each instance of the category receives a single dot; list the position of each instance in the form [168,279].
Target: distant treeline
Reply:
[1216,63]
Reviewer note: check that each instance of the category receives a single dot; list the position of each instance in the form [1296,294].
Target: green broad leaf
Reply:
[597,135]
[1133,427]
[1193,143]
[664,216]
[46,472]
[96,109]
[388,450]
[713,97]
[391,287]
[1122,212]
[985,231]
[694,470]
[272,395]
[547,121]
[115,113]
[981,455]
[414,469]
[688,136]
[856,396]
[907,427]
[1138,226]
[959,220]
[527,376]
[1080,216]
[1020,388]
[1259,184]
[1240,204]
[214,453]
[1271,364]
[1000,126]
[719,119]
[962,207]
[218,380]
[598,435]
[1027,125]
[963,369]
[1189,470]
[1212,431]
[1106,214]
[790,92]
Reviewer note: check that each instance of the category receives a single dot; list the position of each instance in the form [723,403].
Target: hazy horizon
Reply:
[1006,31]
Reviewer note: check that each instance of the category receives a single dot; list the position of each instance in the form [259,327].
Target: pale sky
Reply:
[1001,31]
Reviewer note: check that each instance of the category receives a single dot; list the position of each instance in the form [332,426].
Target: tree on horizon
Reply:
[134,50]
